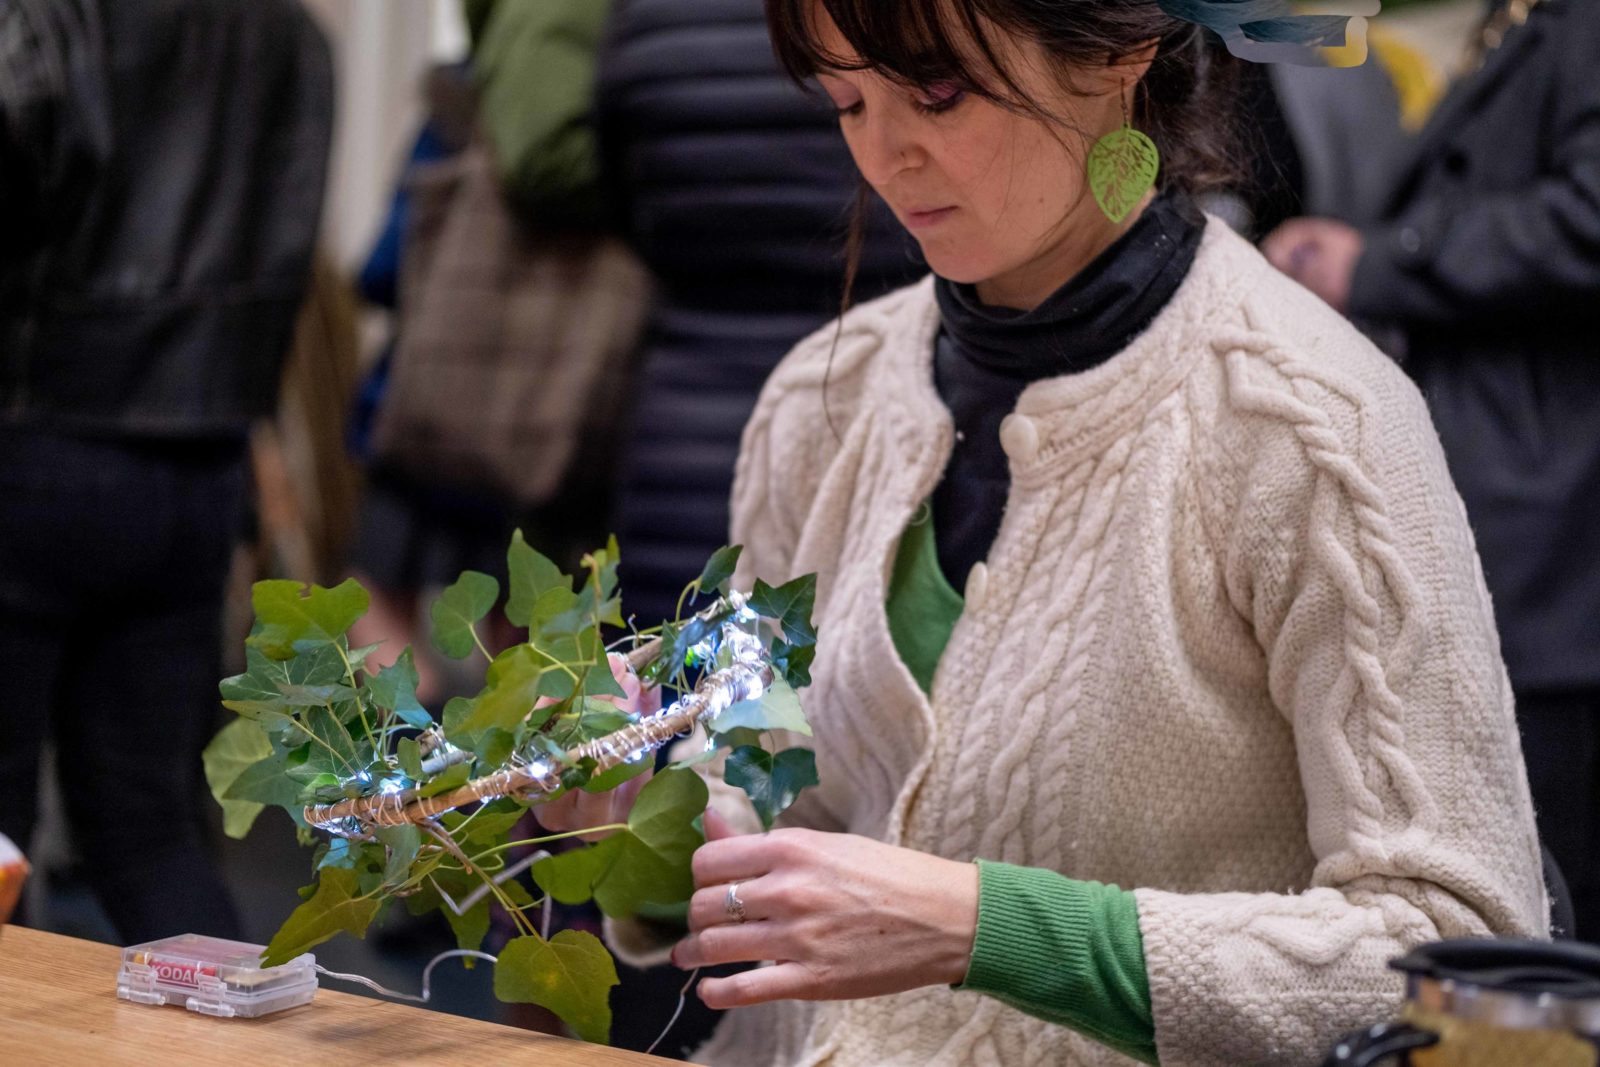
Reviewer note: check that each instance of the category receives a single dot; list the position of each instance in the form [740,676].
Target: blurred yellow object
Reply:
[13,873]
[1417,82]
[1353,53]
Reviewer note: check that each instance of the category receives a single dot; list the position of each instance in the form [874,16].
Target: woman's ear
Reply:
[1129,70]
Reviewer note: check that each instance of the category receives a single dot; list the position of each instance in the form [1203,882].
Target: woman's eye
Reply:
[940,98]
[849,109]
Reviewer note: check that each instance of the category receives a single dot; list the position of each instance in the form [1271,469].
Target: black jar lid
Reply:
[1566,969]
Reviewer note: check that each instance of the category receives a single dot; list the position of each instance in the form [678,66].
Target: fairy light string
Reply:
[747,676]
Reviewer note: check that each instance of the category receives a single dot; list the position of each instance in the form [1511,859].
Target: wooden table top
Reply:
[58,1005]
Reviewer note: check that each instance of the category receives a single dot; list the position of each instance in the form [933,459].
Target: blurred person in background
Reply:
[162,165]
[1487,260]
[511,298]
[735,187]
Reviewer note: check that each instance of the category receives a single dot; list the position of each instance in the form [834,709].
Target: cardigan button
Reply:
[977,587]
[1019,436]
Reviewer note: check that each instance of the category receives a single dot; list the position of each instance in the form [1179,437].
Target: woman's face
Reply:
[994,197]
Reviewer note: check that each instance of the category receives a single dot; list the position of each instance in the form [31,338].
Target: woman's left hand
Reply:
[842,916]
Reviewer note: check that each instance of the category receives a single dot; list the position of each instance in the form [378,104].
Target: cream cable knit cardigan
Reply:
[1232,649]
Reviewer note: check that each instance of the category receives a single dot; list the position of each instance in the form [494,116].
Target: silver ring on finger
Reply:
[733,905]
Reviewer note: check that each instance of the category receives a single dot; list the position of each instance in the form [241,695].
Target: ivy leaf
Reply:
[486,826]
[791,605]
[511,695]
[395,688]
[596,717]
[794,662]
[598,681]
[267,781]
[772,782]
[571,974]
[403,842]
[647,863]
[538,590]
[288,618]
[318,664]
[409,753]
[1123,166]
[458,609]
[778,709]
[470,929]
[719,569]
[450,778]
[239,745]
[315,696]
[622,772]
[335,908]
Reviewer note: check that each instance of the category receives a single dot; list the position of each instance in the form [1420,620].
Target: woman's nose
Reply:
[883,148]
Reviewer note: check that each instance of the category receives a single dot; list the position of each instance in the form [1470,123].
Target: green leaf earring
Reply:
[1123,166]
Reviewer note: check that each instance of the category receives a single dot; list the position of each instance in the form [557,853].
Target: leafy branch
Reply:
[425,809]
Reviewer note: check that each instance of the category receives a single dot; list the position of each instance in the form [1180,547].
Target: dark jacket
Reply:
[162,165]
[1489,259]
[735,187]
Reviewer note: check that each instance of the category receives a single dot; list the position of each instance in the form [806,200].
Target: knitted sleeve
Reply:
[1348,551]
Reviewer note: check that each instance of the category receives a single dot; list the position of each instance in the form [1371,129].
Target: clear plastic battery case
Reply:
[214,977]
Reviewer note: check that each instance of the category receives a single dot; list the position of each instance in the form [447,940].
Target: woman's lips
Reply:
[919,220]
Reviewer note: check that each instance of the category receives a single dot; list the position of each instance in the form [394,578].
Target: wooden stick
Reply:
[395,809]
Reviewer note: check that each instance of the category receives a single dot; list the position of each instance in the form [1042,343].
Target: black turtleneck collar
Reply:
[1093,316]
[986,357]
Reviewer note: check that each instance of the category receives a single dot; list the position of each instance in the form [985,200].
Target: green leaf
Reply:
[403,842]
[571,877]
[458,609]
[335,908]
[487,826]
[772,782]
[317,664]
[409,753]
[267,781]
[778,709]
[538,590]
[791,605]
[287,617]
[719,569]
[511,695]
[457,710]
[794,662]
[597,717]
[238,746]
[622,772]
[1123,166]
[450,778]
[647,863]
[598,681]
[395,688]
[315,696]
[571,974]
[470,929]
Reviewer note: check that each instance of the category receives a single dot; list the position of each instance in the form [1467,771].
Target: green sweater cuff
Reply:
[1066,951]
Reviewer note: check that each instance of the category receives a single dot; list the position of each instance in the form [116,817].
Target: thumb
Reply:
[717,827]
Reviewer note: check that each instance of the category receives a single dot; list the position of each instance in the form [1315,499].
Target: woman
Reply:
[1223,638]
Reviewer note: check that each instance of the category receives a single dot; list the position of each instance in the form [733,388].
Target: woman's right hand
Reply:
[577,809]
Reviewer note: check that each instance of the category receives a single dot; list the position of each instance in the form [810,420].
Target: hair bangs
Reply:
[917,43]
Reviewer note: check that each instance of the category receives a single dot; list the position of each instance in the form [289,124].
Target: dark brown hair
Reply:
[1184,101]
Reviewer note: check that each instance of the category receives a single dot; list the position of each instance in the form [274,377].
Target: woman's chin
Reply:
[956,266]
